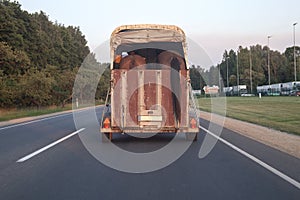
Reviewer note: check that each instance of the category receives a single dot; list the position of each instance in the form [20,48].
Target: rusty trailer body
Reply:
[150,84]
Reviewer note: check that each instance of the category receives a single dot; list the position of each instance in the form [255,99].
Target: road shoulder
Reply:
[282,141]
[27,119]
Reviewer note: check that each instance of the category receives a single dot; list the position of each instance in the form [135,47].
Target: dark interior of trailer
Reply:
[149,54]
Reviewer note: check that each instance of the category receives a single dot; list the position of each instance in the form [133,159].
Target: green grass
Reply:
[280,113]
[9,114]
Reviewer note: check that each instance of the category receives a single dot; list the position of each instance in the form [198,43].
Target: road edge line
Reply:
[55,115]
[253,158]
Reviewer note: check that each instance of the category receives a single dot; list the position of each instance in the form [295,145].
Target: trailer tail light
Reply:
[106,123]
[193,123]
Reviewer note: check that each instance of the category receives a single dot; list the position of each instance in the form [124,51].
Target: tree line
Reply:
[241,61]
[39,59]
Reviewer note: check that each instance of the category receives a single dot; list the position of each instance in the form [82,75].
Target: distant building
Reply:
[211,90]
[235,90]
[196,92]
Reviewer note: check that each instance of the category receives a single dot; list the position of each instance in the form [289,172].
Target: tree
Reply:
[104,82]
[197,76]
[35,88]
[13,62]
[39,59]
[287,73]
[87,80]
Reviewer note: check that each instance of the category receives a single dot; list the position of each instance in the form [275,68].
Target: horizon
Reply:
[216,26]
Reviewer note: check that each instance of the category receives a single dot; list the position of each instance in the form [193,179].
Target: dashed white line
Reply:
[261,163]
[48,146]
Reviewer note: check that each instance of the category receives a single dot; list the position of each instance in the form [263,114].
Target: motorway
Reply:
[62,168]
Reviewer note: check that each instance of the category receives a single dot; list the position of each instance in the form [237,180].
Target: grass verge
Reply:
[9,114]
[280,113]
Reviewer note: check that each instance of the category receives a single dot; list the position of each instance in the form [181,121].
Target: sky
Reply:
[214,25]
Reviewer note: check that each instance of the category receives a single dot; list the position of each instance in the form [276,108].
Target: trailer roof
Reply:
[146,33]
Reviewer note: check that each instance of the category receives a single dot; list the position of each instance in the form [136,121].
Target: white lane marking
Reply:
[261,163]
[38,120]
[49,146]
[30,122]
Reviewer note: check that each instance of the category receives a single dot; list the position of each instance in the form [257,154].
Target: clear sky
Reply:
[214,24]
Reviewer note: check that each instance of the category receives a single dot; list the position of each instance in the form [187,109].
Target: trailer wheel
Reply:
[191,136]
[106,137]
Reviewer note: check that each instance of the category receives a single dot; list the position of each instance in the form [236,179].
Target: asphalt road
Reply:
[66,170]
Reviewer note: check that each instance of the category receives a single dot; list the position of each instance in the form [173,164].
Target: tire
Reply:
[191,136]
[105,137]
